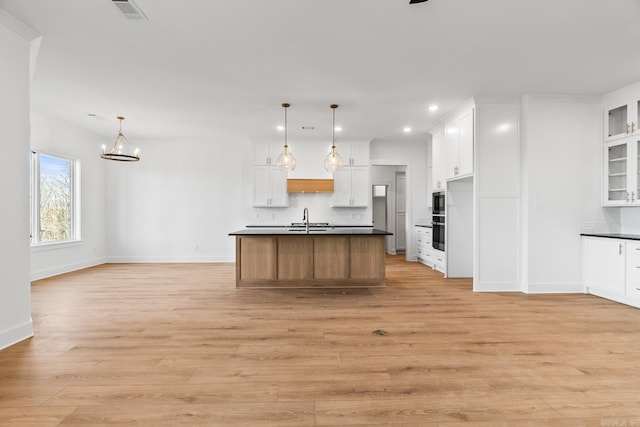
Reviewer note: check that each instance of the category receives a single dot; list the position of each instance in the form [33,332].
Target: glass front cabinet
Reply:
[621,118]
[622,172]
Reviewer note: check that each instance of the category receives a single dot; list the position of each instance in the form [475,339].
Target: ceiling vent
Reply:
[130,10]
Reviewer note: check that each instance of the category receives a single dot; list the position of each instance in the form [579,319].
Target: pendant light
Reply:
[118,151]
[286,161]
[333,161]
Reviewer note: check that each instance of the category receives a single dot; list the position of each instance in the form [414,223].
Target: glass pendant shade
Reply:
[118,151]
[333,161]
[286,161]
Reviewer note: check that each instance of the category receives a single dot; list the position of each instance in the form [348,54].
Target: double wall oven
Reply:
[437,220]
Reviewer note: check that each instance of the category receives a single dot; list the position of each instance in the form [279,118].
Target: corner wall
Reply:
[15,298]
[53,137]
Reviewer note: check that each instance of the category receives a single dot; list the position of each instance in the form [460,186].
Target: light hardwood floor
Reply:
[174,344]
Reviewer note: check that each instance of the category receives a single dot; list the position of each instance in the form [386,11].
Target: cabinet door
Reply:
[261,154]
[269,187]
[359,155]
[616,167]
[604,265]
[465,145]
[451,156]
[437,158]
[634,170]
[278,187]
[341,196]
[360,187]
[622,117]
[261,186]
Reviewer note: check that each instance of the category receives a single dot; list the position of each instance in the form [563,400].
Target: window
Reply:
[54,199]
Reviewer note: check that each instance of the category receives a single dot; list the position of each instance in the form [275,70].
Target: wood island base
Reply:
[309,261]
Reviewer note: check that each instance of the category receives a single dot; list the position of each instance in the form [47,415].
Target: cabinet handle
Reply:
[619,248]
[628,127]
[633,127]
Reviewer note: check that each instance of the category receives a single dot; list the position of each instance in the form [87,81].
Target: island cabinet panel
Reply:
[331,257]
[256,258]
[367,258]
[295,258]
[310,261]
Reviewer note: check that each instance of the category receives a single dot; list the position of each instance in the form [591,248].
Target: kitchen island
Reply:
[285,257]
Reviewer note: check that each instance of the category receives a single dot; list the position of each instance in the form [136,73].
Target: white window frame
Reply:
[35,199]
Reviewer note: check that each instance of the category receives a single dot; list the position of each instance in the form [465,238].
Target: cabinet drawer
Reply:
[633,254]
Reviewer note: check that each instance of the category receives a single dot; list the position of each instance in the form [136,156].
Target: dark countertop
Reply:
[297,231]
[424,225]
[291,226]
[613,235]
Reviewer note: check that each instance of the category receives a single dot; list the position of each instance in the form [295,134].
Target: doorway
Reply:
[389,205]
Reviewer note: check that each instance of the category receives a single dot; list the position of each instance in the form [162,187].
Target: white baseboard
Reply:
[496,287]
[554,288]
[14,335]
[161,259]
[614,297]
[61,269]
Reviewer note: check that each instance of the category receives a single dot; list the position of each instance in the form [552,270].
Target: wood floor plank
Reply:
[294,414]
[178,344]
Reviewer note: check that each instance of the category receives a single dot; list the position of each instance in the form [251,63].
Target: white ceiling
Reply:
[222,68]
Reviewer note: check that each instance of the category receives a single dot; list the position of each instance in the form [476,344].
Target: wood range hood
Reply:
[310,185]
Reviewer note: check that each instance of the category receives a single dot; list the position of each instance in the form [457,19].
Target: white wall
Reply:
[53,137]
[561,188]
[414,155]
[179,202]
[497,195]
[15,305]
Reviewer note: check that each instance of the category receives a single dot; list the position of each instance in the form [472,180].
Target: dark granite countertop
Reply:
[301,231]
[323,226]
[424,225]
[613,235]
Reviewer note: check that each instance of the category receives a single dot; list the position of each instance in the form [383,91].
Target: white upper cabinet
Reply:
[621,111]
[458,146]
[437,158]
[265,154]
[622,172]
[351,187]
[269,187]
[354,154]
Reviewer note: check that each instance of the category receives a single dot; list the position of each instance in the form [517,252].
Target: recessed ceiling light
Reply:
[433,108]
[338,129]
[504,127]
[280,127]
[407,130]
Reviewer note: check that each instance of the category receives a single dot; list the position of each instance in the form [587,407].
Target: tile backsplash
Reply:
[320,210]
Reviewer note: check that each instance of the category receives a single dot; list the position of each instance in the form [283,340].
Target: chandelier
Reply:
[118,151]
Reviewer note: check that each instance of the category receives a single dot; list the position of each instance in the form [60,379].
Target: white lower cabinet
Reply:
[633,270]
[424,248]
[440,261]
[611,268]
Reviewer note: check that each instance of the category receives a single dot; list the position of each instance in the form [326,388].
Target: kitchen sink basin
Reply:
[310,230]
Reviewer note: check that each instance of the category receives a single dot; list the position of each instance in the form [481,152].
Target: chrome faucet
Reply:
[305,218]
